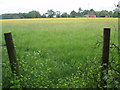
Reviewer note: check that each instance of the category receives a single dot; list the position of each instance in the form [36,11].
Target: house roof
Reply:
[90,15]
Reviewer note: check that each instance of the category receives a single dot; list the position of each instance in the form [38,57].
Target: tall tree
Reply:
[64,15]
[79,10]
[85,12]
[58,14]
[73,14]
[22,15]
[92,12]
[51,13]
[116,13]
[103,13]
[110,13]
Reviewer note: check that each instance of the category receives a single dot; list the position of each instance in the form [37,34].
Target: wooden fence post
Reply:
[105,56]
[11,53]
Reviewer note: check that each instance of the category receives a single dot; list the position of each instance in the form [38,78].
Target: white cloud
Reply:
[12,6]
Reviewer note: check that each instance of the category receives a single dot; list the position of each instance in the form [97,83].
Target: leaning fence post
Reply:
[11,53]
[105,56]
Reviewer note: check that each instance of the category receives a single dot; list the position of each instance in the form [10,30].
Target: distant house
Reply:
[90,15]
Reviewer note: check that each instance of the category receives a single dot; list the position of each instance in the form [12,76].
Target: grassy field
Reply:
[57,53]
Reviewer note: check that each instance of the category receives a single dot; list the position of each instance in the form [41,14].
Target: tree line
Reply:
[57,14]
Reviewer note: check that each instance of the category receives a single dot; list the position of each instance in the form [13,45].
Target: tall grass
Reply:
[57,52]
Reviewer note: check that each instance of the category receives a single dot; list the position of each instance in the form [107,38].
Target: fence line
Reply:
[11,53]
[105,54]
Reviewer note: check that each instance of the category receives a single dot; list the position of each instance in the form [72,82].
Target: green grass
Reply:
[57,53]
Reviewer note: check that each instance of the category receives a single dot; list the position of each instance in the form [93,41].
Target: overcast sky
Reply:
[16,6]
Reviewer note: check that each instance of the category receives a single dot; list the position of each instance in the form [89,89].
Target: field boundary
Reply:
[104,62]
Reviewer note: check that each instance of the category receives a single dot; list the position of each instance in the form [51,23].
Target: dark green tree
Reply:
[51,13]
[64,15]
[85,12]
[73,14]
[92,12]
[116,13]
[11,16]
[22,15]
[33,14]
[79,13]
[103,13]
[110,14]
